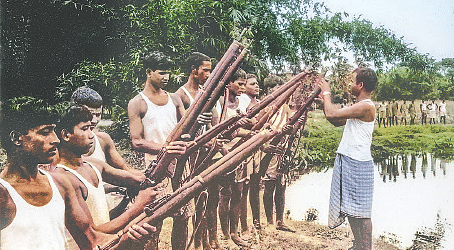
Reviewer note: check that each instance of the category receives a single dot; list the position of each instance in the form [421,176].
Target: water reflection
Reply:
[389,168]
[407,198]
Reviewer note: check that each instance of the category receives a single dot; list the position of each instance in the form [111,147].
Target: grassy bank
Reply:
[317,148]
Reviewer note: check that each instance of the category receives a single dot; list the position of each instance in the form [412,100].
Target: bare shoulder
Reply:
[104,138]
[176,99]
[7,208]
[137,105]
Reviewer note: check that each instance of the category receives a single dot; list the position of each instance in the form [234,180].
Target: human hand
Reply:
[138,233]
[148,195]
[271,149]
[205,118]
[287,129]
[245,122]
[177,147]
[324,85]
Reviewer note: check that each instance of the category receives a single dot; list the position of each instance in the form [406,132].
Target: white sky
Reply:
[426,25]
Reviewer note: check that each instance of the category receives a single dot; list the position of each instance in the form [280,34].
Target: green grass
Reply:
[317,149]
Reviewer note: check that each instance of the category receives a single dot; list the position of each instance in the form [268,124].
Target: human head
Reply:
[73,129]
[236,82]
[364,78]
[29,121]
[272,82]
[91,99]
[252,85]
[198,66]
[156,68]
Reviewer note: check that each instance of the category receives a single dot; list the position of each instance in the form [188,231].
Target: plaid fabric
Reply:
[352,190]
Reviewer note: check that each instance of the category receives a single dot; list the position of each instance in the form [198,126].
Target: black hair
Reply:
[157,61]
[238,74]
[367,76]
[195,60]
[86,96]
[71,117]
[21,114]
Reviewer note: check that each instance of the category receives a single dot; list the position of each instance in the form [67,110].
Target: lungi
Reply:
[352,188]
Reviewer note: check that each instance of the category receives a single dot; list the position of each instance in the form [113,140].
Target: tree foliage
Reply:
[99,43]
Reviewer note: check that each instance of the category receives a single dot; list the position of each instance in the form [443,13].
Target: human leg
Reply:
[243,212]
[211,215]
[254,200]
[235,210]
[268,200]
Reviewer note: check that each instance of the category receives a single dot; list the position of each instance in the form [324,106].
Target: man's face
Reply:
[252,87]
[81,140]
[96,112]
[202,73]
[41,143]
[356,86]
[236,88]
[159,78]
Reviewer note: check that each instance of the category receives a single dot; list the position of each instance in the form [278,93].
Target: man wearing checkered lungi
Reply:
[353,175]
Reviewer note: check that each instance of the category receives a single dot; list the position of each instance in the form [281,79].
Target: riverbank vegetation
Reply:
[316,150]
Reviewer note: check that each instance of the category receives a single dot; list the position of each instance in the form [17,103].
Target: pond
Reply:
[412,195]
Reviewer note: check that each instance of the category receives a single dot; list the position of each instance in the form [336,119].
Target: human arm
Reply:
[136,110]
[338,117]
[113,157]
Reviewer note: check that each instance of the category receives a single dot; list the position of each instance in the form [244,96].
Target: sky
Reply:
[426,25]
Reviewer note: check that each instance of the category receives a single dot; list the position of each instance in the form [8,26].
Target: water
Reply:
[410,195]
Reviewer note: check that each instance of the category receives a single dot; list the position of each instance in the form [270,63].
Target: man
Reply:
[432,110]
[395,112]
[153,114]
[389,114]
[274,180]
[442,110]
[76,139]
[412,111]
[403,113]
[423,108]
[103,148]
[382,111]
[353,174]
[36,206]
[198,68]
[232,184]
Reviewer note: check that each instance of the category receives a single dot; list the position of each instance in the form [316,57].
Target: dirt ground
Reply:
[308,235]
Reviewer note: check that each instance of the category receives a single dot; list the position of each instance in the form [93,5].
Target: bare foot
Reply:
[239,241]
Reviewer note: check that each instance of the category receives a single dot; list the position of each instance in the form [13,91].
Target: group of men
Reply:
[393,114]
[52,188]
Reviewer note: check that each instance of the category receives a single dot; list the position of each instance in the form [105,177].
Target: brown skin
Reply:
[360,110]
[137,108]
[252,90]
[113,157]
[38,146]
[74,145]
[197,79]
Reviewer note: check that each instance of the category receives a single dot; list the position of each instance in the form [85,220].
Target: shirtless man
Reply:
[232,184]
[153,114]
[76,139]
[198,67]
[33,202]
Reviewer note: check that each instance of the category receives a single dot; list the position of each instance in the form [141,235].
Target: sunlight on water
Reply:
[407,198]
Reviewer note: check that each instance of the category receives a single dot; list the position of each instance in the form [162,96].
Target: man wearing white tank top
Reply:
[35,206]
[353,173]
[76,139]
[153,114]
